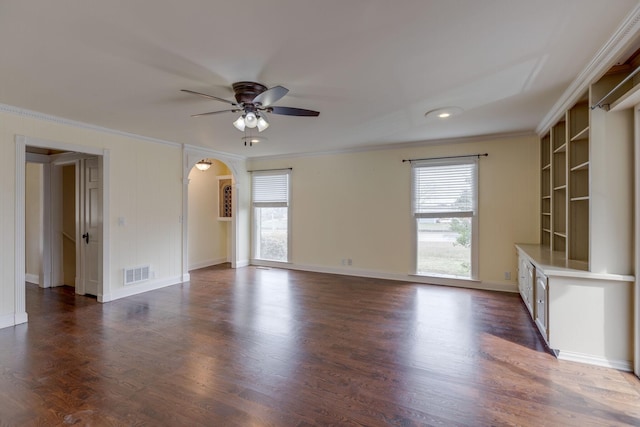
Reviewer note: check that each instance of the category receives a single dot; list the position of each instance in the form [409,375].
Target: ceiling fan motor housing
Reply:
[245,92]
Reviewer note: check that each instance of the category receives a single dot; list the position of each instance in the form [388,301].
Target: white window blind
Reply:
[270,189]
[441,188]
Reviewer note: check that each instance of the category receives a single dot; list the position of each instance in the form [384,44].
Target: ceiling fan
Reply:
[253,100]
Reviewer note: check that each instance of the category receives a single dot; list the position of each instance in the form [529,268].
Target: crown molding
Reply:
[604,59]
[399,145]
[209,152]
[4,108]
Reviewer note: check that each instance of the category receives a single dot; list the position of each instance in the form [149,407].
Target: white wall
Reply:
[357,206]
[208,236]
[33,221]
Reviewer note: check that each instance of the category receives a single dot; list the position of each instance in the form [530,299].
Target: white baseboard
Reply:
[348,271]
[208,263]
[621,365]
[7,320]
[139,288]
[32,278]
[241,263]
[12,319]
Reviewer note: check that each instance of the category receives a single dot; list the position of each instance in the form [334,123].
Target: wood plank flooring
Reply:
[256,347]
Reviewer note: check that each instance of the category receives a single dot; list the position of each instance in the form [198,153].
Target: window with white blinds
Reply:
[444,199]
[271,231]
[270,189]
[444,188]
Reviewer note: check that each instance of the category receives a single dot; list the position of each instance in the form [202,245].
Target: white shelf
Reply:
[547,167]
[583,134]
[561,149]
[581,166]
[560,187]
[578,199]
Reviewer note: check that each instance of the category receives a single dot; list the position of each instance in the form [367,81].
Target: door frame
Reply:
[636,308]
[22,142]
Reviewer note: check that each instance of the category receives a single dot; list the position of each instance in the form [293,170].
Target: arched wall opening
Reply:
[237,227]
[210,214]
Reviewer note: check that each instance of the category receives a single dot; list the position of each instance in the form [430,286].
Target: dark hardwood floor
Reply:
[254,347]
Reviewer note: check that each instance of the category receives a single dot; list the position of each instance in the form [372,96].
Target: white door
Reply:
[90,223]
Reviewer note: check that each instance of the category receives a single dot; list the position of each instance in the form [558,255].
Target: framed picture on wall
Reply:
[225,197]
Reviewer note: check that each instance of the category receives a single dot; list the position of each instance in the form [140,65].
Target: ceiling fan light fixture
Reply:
[239,123]
[203,165]
[262,124]
[250,120]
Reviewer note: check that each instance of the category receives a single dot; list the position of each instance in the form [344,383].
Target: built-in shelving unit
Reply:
[585,257]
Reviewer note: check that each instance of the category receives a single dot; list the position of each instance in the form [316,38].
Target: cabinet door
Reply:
[541,304]
[522,278]
[530,283]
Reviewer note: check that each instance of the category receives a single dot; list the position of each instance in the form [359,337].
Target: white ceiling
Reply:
[371,67]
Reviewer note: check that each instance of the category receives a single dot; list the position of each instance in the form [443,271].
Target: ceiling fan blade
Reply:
[270,96]
[214,112]
[208,96]
[290,111]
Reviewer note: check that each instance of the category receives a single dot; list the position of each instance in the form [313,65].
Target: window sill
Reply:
[444,279]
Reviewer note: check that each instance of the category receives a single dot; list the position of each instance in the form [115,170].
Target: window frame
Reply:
[254,218]
[415,217]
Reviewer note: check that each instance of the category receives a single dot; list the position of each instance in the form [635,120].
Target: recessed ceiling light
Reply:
[443,113]
[250,140]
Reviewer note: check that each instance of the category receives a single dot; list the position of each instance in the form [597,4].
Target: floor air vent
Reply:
[136,275]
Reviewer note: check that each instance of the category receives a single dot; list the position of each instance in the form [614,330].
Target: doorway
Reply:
[209,214]
[73,249]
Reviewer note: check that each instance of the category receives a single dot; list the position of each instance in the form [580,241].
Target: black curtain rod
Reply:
[446,157]
[271,170]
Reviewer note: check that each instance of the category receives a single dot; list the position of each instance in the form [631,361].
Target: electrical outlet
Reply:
[507,275]
[349,261]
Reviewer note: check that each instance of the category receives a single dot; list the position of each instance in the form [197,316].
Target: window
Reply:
[270,200]
[445,200]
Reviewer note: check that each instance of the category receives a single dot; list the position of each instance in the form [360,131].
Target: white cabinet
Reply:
[583,316]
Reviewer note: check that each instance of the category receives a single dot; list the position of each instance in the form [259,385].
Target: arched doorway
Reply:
[210,214]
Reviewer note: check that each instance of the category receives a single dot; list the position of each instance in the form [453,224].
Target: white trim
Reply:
[4,108]
[19,229]
[617,44]
[400,145]
[140,288]
[622,365]
[207,263]
[242,263]
[105,249]
[209,152]
[636,320]
[32,278]
[7,320]
[429,280]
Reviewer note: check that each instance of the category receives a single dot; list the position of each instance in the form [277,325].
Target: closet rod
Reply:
[447,157]
[618,86]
